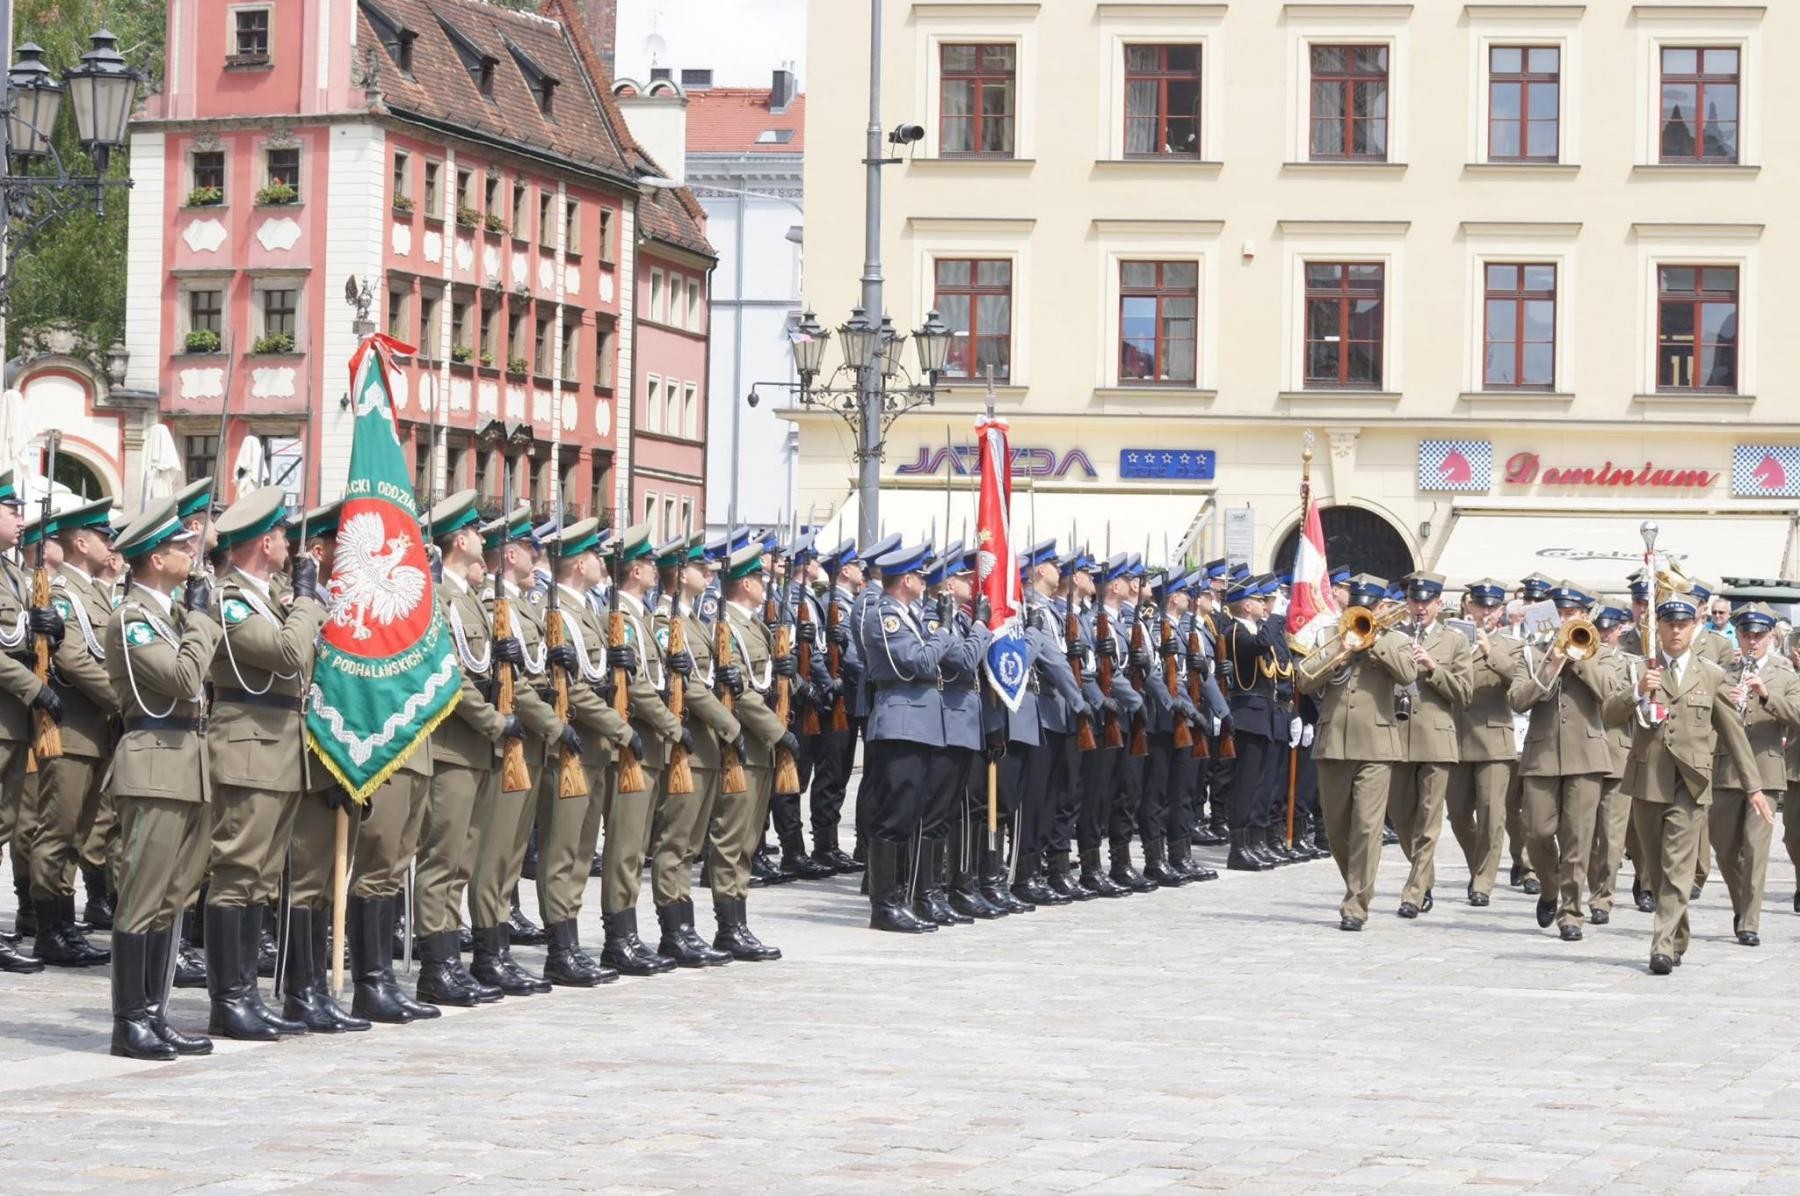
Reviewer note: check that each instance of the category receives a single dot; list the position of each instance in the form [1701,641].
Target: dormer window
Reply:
[541,85]
[394,37]
[478,62]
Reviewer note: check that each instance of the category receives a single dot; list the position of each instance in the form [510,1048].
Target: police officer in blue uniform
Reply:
[861,696]
[963,729]
[1103,769]
[1051,770]
[1249,647]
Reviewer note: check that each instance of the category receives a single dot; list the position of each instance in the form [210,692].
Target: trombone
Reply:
[1577,639]
[1358,628]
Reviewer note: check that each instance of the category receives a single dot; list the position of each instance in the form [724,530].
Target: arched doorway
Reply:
[75,474]
[1356,537]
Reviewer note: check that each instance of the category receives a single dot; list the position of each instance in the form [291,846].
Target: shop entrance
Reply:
[1355,537]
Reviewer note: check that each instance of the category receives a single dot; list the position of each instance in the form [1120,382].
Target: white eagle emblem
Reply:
[371,581]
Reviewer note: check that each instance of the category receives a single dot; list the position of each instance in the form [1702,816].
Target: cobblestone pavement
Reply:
[1221,1037]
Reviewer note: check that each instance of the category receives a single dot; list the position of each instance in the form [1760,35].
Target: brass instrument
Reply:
[1577,639]
[1358,627]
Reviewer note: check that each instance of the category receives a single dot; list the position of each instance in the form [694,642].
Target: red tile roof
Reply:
[728,120]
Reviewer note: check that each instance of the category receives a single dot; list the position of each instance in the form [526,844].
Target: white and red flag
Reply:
[997,566]
[1311,611]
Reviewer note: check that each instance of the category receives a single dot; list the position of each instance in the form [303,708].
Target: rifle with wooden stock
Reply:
[514,776]
[46,743]
[631,769]
[787,772]
[681,773]
[1171,656]
[571,778]
[731,762]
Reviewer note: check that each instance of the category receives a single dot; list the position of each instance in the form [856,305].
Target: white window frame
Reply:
[190,283]
[1508,244]
[1380,242]
[1493,25]
[1197,25]
[1698,245]
[986,24]
[694,322]
[1196,241]
[1363,25]
[1684,26]
[690,411]
[652,403]
[231,30]
[672,402]
[260,283]
[1001,239]
[656,296]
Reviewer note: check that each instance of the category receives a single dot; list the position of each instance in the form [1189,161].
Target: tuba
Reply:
[1577,639]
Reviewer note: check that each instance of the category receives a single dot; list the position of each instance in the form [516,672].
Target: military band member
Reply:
[1488,751]
[835,754]
[682,819]
[736,826]
[630,815]
[1614,814]
[1357,744]
[1681,710]
[1765,694]
[503,825]
[1444,687]
[465,758]
[1532,590]
[254,740]
[69,790]
[158,655]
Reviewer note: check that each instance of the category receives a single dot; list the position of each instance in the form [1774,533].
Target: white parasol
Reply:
[163,474]
[252,468]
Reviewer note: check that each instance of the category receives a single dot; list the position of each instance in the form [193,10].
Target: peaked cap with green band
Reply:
[258,513]
[745,562]
[96,514]
[320,521]
[516,526]
[578,538]
[9,489]
[635,543]
[453,514]
[681,550]
[192,498]
[158,524]
[32,530]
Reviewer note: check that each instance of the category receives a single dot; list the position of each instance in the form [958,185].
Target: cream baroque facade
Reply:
[1506,214]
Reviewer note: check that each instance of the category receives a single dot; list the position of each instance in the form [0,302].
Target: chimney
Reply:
[602,20]
[781,91]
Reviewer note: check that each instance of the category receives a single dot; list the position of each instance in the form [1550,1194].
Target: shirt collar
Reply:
[741,609]
[166,601]
[458,581]
[78,571]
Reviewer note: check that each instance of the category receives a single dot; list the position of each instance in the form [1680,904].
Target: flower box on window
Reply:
[275,342]
[403,204]
[202,340]
[205,197]
[467,217]
[277,194]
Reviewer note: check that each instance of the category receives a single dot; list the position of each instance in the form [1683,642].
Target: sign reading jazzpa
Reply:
[964,460]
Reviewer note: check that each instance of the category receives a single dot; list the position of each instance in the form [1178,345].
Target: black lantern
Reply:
[103,89]
[36,100]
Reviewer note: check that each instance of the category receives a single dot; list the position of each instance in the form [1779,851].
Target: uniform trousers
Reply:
[1559,815]
[1416,807]
[164,855]
[1354,796]
[1703,855]
[1306,793]
[628,821]
[1271,805]
[1670,835]
[387,840]
[1219,772]
[1515,823]
[68,794]
[250,831]
[18,814]
[1253,779]
[1610,825]
[947,788]
[1127,797]
[1100,770]
[1065,789]
[1740,841]
[446,844]
[567,830]
[901,771]
[1476,799]
[312,848]
[678,833]
[99,836]
[835,757]
[734,832]
[1790,831]
[502,832]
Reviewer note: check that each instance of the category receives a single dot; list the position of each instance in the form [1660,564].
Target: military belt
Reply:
[243,697]
[147,723]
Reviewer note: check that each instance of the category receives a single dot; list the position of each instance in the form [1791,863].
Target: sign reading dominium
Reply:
[964,460]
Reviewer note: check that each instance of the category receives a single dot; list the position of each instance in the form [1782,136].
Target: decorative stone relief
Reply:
[572,280]
[433,246]
[490,264]
[402,238]
[279,232]
[487,400]
[400,387]
[518,269]
[465,254]
[272,382]
[460,394]
[606,288]
[204,236]
[602,417]
[546,276]
[202,383]
[540,405]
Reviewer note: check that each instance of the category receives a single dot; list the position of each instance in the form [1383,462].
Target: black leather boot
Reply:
[628,953]
[528,869]
[1257,847]
[190,960]
[519,928]
[796,860]
[696,944]
[374,995]
[1094,878]
[133,1035]
[485,993]
[157,945]
[965,878]
[678,941]
[1036,875]
[441,977]
[1181,858]
[567,965]
[1063,877]
[231,977]
[764,870]
[16,961]
[827,852]
[494,965]
[1242,859]
[73,935]
[1275,840]
[254,934]
[57,944]
[321,961]
[98,912]
[993,880]
[1124,872]
[888,906]
[1156,864]
[300,999]
[735,937]
[931,899]
[266,954]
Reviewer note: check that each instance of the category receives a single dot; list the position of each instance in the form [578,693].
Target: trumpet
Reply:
[1577,639]
[1358,627]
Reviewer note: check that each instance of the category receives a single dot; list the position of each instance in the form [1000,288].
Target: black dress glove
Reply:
[732,678]
[570,739]
[839,637]
[741,746]
[306,577]
[49,703]
[636,746]
[564,657]
[1104,646]
[623,657]
[946,610]
[46,621]
[681,664]
[805,694]
[687,740]
[508,650]
[786,666]
[994,745]
[808,632]
[605,689]
[1109,706]
[514,729]
[788,744]
[1140,659]
[197,595]
[984,611]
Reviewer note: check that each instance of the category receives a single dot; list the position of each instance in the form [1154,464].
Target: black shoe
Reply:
[441,978]
[1546,912]
[1749,938]
[595,869]
[931,901]
[685,951]
[965,894]
[98,912]
[1661,965]
[763,870]
[888,907]
[1408,910]
[567,965]
[520,929]
[797,862]
[626,952]
[1797,901]
[1645,902]
[835,859]
[1425,905]
[1348,923]
[1478,900]
[1531,886]
[465,941]
[485,993]
[1694,893]
[1124,872]
[1599,917]
[1181,858]
[266,954]
[734,936]
[374,995]
[1094,878]
[494,965]
[1156,865]
[1063,878]
[133,1035]
[158,944]
[17,962]
[1516,877]
[1242,859]
[59,943]
[994,889]
[1389,836]
[231,975]
[1571,933]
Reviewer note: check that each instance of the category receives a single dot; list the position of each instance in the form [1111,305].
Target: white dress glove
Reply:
[1306,735]
[1294,729]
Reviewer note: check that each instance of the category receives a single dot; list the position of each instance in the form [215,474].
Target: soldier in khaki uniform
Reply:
[737,825]
[568,827]
[1487,749]
[1711,645]
[505,821]
[255,744]
[69,791]
[158,655]
[1357,744]
[1613,817]
[1564,765]
[1421,779]
[1765,692]
[1532,590]
[629,815]
[1681,711]
[681,819]
[465,756]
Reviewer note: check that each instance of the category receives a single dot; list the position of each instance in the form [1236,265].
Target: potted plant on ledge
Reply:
[275,342]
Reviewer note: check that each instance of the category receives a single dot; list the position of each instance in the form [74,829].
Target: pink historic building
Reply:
[469,163]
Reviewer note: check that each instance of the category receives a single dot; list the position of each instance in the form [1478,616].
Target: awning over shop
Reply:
[1174,518]
[1598,547]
